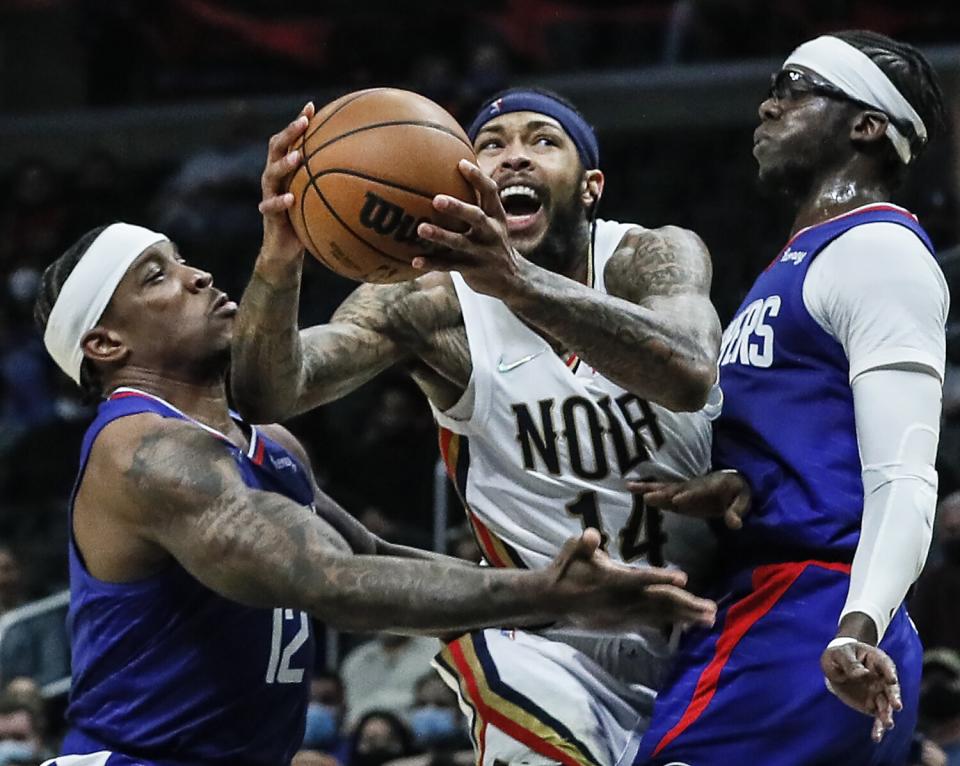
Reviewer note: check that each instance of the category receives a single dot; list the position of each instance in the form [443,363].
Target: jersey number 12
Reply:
[278,667]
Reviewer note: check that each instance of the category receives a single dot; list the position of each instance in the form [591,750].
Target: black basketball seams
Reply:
[376,179]
[343,223]
[327,119]
[389,124]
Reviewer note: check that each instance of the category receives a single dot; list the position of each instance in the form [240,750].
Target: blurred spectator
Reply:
[11,581]
[26,376]
[20,738]
[34,646]
[934,604]
[27,691]
[383,673]
[926,752]
[32,225]
[435,716]
[325,715]
[940,701]
[314,758]
[378,737]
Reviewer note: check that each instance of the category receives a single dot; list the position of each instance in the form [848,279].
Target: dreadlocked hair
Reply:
[51,283]
[912,75]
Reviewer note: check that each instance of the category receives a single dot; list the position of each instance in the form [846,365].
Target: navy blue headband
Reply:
[531,101]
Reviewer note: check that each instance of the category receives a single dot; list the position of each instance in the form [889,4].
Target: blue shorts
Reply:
[750,690]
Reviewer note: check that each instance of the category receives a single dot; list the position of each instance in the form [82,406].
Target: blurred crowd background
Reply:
[158,113]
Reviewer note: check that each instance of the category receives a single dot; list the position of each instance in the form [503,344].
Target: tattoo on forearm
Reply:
[654,333]
[263,549]
[267,355]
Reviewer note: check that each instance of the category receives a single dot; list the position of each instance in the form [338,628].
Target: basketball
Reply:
[372,162]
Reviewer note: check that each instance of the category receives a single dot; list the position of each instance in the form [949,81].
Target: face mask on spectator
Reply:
[432,724]
[14,751]
[321,731]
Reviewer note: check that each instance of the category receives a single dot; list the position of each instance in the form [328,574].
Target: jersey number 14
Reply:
[643,534]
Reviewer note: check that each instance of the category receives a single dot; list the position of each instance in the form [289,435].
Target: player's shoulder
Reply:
[658,262]
[881,252]
[288,441]
[149,441]
[133,455]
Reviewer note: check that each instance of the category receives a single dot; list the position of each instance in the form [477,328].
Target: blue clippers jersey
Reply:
[169,672]
[787,422]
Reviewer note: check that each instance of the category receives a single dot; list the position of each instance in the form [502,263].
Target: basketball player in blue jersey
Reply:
[200,545]
[831,372]
[566,354]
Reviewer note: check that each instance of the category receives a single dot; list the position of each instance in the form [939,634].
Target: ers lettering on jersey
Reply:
[749,339]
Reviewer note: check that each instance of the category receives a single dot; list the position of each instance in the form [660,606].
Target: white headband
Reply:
[89,288]
[855,73]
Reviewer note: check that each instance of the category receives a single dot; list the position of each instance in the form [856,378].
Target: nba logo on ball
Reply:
[373,161]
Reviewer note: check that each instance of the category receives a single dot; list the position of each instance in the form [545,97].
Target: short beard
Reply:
[567,239]
[790,182]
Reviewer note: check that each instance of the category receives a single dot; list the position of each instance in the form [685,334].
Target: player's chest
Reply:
[559,421]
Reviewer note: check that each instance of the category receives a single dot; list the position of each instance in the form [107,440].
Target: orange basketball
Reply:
[373,161]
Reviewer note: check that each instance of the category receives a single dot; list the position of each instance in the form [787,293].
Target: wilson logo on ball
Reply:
[388,218]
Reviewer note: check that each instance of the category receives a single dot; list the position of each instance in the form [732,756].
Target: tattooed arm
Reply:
[278,371]
[358,537]
[180,489]
[656,333]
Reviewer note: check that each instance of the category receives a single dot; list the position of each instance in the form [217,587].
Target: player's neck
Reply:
[205,401]
[836,194]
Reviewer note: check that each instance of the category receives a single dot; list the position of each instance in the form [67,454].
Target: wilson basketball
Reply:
[373,161]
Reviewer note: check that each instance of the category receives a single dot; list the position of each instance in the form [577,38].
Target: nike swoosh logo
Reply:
[507,366]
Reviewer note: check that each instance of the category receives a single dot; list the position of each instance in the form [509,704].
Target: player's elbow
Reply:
[693,383]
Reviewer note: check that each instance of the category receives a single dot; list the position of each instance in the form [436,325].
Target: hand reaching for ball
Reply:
[282,249]
[483,253]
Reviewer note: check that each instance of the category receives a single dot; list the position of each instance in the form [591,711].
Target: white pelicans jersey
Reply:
[540,447]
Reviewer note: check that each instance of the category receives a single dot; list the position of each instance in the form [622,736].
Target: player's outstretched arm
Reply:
[656,333]
[276,370]
[180,488]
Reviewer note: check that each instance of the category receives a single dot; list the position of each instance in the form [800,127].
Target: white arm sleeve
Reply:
[898,421]
[878,291]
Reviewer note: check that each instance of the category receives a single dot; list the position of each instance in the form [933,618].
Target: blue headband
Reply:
[531,101]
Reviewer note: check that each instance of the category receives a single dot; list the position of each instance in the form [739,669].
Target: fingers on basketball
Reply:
[373,161]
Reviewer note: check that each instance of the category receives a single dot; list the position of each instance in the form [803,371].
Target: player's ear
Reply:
[591,188]
[104,346]
[868,126]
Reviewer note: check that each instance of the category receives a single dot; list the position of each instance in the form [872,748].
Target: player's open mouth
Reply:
[522,205]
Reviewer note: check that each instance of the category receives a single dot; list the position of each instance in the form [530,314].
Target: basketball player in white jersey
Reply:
[564,356]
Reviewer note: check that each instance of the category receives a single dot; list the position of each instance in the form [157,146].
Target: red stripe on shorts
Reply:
[770,582]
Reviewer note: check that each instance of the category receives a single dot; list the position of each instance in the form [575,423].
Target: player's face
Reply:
[168,313]
[801,132]
[538,172]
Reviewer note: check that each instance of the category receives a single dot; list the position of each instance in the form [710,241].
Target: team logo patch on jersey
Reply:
[793,256]
[283,462]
